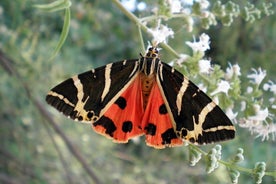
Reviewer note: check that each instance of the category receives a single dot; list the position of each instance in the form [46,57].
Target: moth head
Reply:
[152,52]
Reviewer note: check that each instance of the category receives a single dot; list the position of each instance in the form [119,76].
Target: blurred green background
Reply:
[34,150]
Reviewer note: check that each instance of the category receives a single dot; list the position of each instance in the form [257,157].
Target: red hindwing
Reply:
[126,118]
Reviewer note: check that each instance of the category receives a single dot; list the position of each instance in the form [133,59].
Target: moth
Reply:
[143,96]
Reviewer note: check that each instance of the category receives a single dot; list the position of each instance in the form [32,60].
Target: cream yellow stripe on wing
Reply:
[214,129]
[107,81]
[80,104]
[137,63]
[161,71]
[61,97]
[201,118]
[180,94]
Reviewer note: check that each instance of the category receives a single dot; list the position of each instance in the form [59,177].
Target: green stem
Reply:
[144,28]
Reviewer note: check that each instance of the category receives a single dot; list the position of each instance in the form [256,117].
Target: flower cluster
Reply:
[213,157]
[161,33]
[244,107]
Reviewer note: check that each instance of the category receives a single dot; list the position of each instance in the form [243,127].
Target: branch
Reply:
[7,65]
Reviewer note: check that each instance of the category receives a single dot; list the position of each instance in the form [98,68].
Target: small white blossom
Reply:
[243,105]
[266,130]
[161,33]
[237,69]
[171,63]
[182,59]
[136,140]
[132,5]
[205,14]
[223,86]
[202,45]
[272,101]
[190,23]
[141,6]
[257,76]
[205,66]
[258,124]
[175,6]
[202,87]
[231,115]
[204,4]
[232,70]
[259,128]
[260,115]
[270,86]
[249,89]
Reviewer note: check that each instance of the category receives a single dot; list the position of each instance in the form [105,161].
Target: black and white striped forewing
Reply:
[85,97]
[197,118]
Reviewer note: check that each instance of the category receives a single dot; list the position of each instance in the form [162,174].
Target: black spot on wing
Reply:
[192,140]
[150,129]
[121,102]
[127,126]
[80,118]
[90,114]
[168,135]
[107,123]
[163,109]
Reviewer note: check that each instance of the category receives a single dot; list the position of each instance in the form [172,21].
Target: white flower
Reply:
[243,105]
[257,77]
[141,6]
[205,66]
[131,5]
[175,6]
[204,4]
[161,33]
[270,86]
[202,87]
[231,115]
[261,129]
[249,89]
[266,130]
[260,115]
[232,70]
[202,45]
[223,86]
[136,140]
[182,59]
[272,101]
[257,123]
[190,23]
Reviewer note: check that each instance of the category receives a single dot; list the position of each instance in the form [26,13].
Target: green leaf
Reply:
[54,6]
[64,33]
